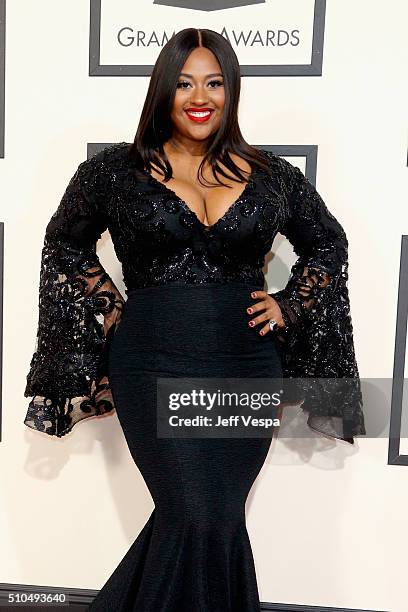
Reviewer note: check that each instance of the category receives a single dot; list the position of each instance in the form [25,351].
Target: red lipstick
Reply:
[199,115]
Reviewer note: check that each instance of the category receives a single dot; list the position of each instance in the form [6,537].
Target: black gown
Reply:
[188,287]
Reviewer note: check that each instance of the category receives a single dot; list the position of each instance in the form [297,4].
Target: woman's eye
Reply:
[212,84]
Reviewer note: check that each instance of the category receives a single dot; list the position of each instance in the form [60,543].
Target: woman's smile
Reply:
[199,115]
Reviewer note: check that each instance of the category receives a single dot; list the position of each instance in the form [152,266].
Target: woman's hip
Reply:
[194,327]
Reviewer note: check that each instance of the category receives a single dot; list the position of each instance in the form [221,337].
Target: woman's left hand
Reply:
[270,310]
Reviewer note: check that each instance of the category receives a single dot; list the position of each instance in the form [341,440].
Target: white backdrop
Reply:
[327,521]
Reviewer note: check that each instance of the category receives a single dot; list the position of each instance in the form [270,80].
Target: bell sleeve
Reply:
[317,339]
[79,310]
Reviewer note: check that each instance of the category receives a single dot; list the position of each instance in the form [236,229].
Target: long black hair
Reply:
[155,126]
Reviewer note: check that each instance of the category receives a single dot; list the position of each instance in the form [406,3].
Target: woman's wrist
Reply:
[282,299]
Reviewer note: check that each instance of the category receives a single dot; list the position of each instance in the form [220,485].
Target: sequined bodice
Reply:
[159,239]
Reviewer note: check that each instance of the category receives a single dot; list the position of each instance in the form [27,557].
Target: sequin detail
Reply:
[318,334]
[158,240]
[68,371]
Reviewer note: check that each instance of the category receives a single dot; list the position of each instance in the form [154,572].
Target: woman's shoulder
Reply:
[111,157]
[282,169]
[277,162]
[98,171]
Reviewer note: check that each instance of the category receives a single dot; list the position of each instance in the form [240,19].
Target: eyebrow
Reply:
[190,76]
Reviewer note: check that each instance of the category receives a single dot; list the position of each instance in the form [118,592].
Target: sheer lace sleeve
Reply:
[317,340]
[79,309]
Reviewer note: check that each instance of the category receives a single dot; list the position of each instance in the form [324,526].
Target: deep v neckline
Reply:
[248,185]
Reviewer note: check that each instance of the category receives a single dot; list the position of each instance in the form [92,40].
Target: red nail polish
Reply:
[261,332]
[249,310]
[253,294]
[251,323]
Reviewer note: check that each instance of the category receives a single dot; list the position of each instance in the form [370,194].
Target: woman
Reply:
[192,210]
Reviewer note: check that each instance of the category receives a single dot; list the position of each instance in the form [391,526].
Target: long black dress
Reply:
[188,287]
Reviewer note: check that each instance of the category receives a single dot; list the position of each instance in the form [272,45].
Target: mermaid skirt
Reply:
[193,554]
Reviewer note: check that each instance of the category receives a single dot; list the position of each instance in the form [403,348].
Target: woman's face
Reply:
[199,101]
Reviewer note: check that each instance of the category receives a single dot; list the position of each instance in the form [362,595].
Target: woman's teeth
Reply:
[198,114]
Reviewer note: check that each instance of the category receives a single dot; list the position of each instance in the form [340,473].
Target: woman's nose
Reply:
[199,95]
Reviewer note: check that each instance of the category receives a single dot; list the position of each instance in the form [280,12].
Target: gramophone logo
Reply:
[211,5]
[270,37]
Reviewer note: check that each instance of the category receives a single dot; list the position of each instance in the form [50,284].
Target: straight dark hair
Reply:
[155,125]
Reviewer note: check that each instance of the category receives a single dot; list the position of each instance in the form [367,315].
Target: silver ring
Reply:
[272,324]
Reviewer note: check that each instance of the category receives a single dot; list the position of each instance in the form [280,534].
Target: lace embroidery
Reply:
[157,241]
[68,373]
[318,333]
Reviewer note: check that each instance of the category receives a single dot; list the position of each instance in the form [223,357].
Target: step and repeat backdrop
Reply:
[323,85]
